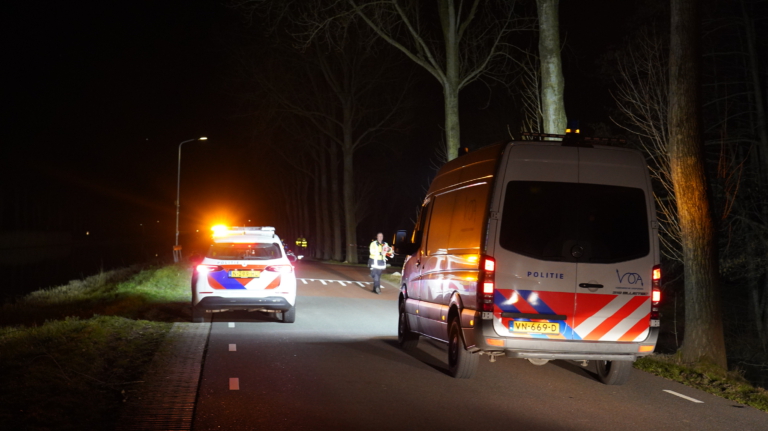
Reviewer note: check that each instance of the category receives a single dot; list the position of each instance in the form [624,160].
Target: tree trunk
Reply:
[334,203]
[703,339]
[325,217]
[552,82]
[452,73]
[350,218]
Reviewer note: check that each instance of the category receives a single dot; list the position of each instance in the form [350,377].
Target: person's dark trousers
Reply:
[376,276]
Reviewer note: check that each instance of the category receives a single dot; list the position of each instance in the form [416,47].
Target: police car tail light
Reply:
[655,292]
[486,283]
[279,268]
[205,269]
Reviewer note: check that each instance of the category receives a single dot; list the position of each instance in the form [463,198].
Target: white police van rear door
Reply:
[612,220]
[535,277]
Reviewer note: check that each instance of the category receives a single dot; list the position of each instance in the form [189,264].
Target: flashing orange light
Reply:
[219,229]
[472,258]
[567,130]
[644,349]
[656,273]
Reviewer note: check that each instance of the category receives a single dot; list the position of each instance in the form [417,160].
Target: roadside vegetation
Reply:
[709,378]
[70,355]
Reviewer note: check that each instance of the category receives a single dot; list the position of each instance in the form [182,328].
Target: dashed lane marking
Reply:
[341,282]
[234,384]
[233,347]
[683,396]
[231,324]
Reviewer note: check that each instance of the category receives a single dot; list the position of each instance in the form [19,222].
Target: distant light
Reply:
[87,233]
[158,221]
[203,138]
[197,230]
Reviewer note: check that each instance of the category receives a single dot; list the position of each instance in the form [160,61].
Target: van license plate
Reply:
[244,274]
[536,327]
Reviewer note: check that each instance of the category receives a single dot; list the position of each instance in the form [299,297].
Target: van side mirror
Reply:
[406,248]
[291,257]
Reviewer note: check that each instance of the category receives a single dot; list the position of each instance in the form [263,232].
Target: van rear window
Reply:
[242,251]
[574,222]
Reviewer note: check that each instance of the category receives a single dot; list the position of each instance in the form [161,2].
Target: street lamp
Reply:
[176,246]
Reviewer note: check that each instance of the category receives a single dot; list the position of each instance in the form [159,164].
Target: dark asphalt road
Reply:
[339,367]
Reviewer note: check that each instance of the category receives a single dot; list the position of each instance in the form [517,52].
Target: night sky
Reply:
[98,95]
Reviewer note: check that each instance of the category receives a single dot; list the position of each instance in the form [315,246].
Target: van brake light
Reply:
[655,294]
[486,279]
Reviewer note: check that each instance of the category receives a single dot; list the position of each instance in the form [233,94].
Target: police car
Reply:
[246,268]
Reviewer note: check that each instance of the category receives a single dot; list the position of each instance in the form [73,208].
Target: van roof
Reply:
[481,163]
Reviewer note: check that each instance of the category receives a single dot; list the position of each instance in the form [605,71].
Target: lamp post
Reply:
[176,246]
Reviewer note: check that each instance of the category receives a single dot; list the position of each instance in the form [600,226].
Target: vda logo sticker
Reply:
[630,277]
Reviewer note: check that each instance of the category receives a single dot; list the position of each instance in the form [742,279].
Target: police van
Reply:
[245,268]
[538,250]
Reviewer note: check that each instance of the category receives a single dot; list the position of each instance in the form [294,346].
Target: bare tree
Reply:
[642,97]
[704,338]
[471,43]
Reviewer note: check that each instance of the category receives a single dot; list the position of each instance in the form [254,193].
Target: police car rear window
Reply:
[237,251]
[574,222]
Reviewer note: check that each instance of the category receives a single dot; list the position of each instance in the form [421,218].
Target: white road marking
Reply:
[683,396]
[342,282]
[231,324]
[233,347]
[234,384]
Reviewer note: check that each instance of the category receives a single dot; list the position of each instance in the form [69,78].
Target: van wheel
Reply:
[538,361]
[198,315]
[461,363]
[614,372]
[290,315]
[405,338]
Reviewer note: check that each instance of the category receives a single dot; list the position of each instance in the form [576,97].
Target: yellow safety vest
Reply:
[376,251]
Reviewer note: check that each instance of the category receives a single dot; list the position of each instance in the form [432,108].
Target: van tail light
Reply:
[655,293]
[279,268]
[486,284]
[205,269]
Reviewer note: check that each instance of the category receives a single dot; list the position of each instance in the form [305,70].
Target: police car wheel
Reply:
[613,372]
[290,315]
[198,315]
[405,338]
[461,363]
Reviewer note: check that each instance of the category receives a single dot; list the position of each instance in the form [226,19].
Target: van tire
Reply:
[405,338]
[461,363]
[198,315]
[613,372]
[289,316]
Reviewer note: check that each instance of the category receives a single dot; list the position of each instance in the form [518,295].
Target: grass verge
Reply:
[69,355]
[726,384]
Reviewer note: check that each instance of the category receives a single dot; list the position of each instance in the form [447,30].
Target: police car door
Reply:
[535,275]
[616,262]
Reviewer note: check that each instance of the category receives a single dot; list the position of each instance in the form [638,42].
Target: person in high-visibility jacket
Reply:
[377,260]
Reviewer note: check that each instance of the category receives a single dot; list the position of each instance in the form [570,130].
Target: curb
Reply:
[166,401]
